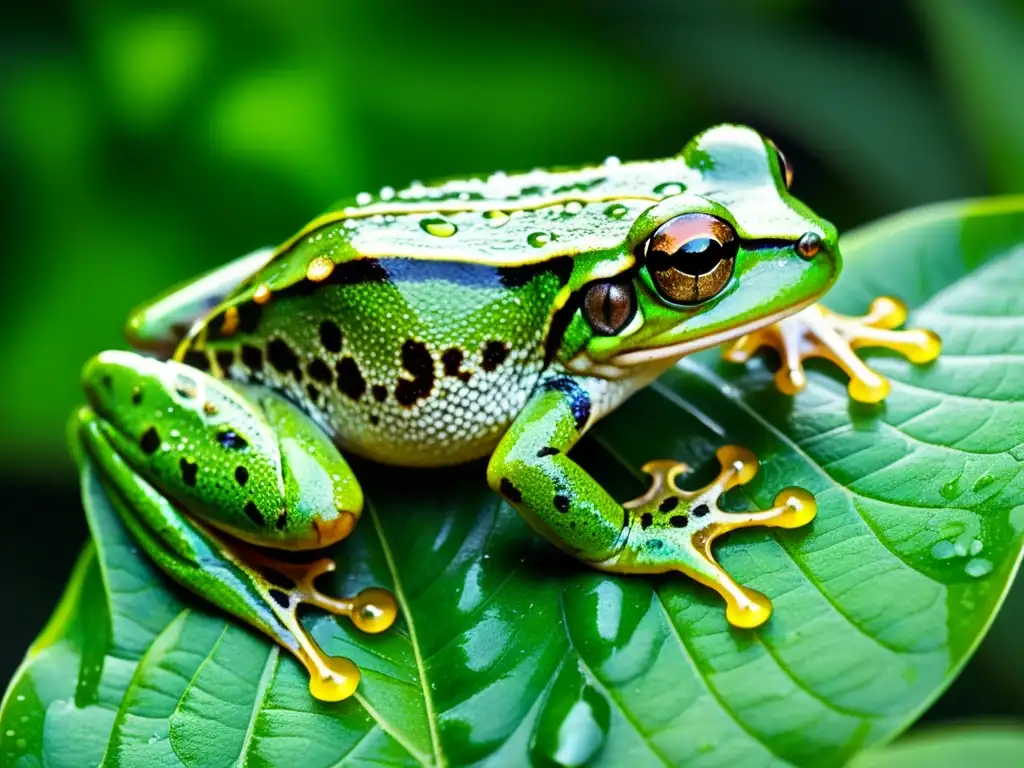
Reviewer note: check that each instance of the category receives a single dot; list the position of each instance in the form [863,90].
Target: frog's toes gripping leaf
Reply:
[290,585]
[819,332]
[673,529]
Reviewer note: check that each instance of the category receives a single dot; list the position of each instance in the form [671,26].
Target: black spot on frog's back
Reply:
[283,358]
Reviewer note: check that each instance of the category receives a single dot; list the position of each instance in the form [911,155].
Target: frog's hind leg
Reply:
[306,494]
[666,529]
[231,575]
[161,323]
[819,332]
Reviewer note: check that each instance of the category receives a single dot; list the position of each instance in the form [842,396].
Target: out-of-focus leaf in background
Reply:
[979,49]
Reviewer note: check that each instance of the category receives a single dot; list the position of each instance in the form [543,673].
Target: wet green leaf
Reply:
[990,746]
[509,652]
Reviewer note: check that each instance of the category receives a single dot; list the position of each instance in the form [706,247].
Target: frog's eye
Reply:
[787,169]
[691,257]
[610,305]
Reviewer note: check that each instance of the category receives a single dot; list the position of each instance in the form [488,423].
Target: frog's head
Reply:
[731,252]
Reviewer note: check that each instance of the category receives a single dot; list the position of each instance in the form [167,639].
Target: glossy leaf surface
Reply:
[990,746]
[508,652]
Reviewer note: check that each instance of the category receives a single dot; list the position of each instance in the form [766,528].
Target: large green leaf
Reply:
[508,651]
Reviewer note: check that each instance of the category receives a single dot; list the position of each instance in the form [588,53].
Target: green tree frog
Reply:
[499,316]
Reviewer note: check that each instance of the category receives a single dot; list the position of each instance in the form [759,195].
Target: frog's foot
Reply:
[289,585]
[672,529]
[818,332]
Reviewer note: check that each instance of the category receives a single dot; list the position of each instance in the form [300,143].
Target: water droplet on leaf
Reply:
[978,567]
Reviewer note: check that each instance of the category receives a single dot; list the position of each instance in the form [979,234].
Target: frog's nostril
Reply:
[808,245]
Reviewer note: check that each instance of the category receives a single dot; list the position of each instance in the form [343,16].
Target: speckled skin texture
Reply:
[406,362]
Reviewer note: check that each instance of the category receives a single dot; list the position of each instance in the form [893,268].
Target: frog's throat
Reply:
[624,363]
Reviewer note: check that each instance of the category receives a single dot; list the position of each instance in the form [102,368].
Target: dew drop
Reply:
[363,198]
[943,550]
[612,162]
[387,193]
[978,567]
[438,227]
[669,188]
[573,722]
[976,546]
[616,211]
[540,239]
[496,218]
[1017,518]
[983,482]
[951,489]
[573,207]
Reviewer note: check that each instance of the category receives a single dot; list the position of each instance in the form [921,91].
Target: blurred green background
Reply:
[144,142]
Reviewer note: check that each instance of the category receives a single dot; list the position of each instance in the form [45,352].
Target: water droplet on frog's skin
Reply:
[669,188]
[616,211]
[363,198]
[540,239]
[983,482]
[496,218]
[573,722]
[978,567]
[438,227]
[951,489]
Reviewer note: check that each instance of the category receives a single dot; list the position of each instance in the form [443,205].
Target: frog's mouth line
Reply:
[638,357]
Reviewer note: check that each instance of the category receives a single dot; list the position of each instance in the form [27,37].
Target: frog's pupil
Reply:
[698,256]
[610,306]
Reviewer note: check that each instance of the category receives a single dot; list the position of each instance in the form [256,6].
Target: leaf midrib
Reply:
[403,604]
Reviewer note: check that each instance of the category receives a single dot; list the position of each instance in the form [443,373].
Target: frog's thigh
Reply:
[161,323]
[239,458]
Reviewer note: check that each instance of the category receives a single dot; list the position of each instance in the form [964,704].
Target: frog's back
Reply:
[414,326]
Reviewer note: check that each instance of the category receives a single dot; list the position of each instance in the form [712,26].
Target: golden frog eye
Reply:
[787,169]
[691,257]
[610,305]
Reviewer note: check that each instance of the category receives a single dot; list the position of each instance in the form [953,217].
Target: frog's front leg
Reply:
[666,529]
[819,332]
[159,324]
[202,474]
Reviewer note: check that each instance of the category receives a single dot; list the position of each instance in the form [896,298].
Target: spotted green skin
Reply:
[427,327]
